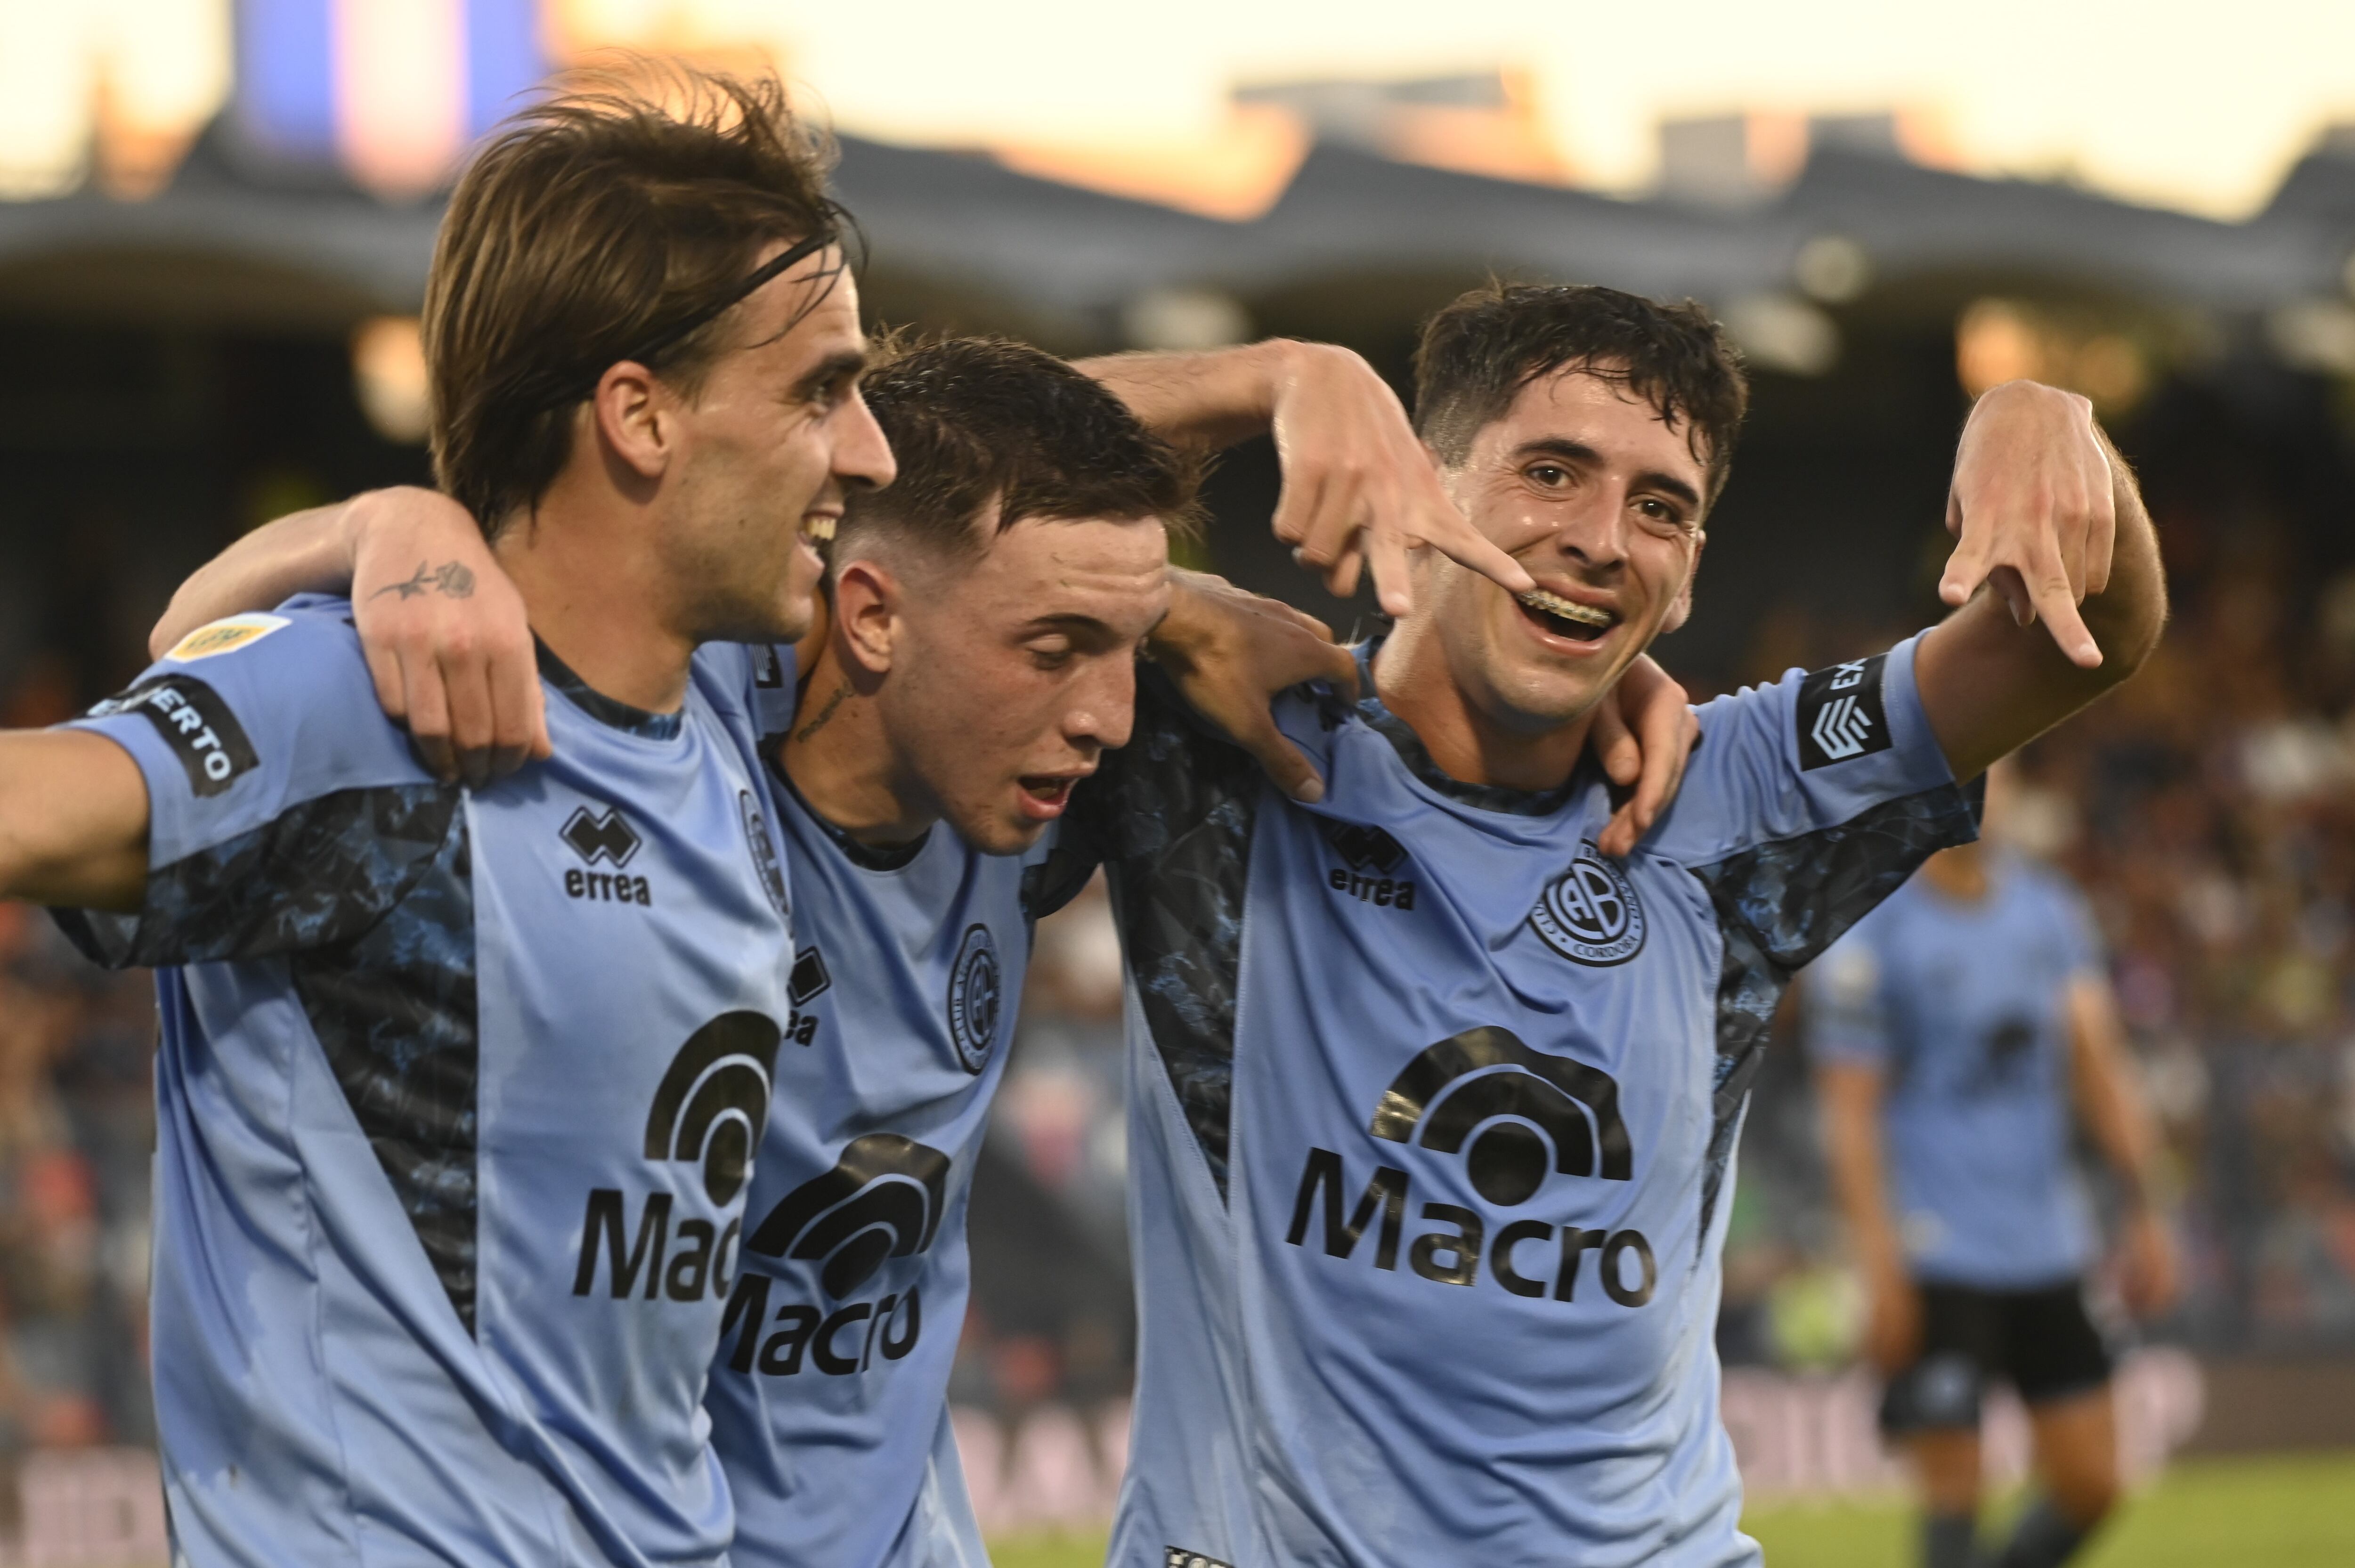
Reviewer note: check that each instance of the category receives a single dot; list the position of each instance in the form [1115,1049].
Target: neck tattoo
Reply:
[832,703]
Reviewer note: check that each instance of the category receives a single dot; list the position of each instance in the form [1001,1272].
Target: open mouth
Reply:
[818,527]
[1047,793]
[1579,622]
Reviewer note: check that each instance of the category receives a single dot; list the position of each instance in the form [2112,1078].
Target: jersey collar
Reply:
[604,709]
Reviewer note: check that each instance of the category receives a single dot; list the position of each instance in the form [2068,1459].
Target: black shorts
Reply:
[2043,1341]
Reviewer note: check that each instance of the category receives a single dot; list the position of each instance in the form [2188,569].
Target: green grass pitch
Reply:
[2282,1512]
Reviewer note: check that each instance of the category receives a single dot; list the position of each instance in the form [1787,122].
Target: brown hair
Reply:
[1478,352]
[973,420]
[590,229]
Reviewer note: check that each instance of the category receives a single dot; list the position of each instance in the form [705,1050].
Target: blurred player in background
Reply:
[1963,1031]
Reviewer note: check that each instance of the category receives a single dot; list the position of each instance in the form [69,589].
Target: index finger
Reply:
[1459,541]
[2049,590]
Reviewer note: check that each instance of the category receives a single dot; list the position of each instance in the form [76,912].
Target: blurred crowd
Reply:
[76,1134]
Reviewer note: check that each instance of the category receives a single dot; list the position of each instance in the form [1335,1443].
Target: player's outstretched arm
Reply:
[1850,1093]
[447,641]
[2110,1105]
[1360,488]
[73,820]
[1990,679]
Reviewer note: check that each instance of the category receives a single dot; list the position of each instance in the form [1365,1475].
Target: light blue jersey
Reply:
[1964,1007]
[830,1398]
[1432,1114]
[457,1095]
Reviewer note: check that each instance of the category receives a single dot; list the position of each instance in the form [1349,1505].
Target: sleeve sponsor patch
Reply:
[191,717]
[1840,715]
[223,637]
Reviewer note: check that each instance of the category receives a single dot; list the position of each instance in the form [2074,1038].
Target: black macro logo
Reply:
[882,1200]
[1472,1081]
[714,1101]
[594,837]
[1367,849]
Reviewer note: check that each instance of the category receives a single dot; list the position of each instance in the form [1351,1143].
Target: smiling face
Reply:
[769,444]
[1587,486]
[1012,671]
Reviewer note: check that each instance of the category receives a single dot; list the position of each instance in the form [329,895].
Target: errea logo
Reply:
[1840,717]
[604,836]
[1372,856]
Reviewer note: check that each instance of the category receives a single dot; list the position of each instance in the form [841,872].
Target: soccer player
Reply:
[1955,1028]
[1433,1104]
[984,614]
[458,1090]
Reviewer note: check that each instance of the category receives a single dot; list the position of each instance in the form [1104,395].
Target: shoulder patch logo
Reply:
[198,725]
[975,987]
[224,636]
[1179,1557]
[883,1199]
[764,852]
[1840,717]
[1590,913]
[713,1101]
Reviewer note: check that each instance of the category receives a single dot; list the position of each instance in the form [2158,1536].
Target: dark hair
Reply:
[614,219]
[1478,352]
[973,420]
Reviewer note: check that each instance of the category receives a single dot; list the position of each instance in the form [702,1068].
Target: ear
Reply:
[634,412]
[1681,610]
[867,605]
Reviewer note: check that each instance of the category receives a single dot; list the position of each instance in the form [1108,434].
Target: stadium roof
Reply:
[233,239]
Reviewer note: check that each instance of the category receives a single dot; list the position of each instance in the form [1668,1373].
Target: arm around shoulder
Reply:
[73,820]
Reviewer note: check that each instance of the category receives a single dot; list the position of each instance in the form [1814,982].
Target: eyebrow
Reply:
[1069,622]
[1571,451]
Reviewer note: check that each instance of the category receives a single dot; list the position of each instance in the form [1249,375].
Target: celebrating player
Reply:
[1434,1105]
[458,1090]
[1964,1016]
[986,613]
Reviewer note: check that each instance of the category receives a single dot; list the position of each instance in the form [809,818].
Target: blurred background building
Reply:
[215,224]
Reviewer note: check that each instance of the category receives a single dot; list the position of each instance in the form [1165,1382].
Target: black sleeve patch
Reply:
[1840,715]
[204,735]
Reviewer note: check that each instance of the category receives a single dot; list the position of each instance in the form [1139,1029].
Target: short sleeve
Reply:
[285,811]
[1810,800]
[1846,1008]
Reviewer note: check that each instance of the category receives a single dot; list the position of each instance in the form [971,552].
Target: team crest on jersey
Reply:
[975,986]
[764,852]
[224,636]
[1590,913]
[1840,716]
